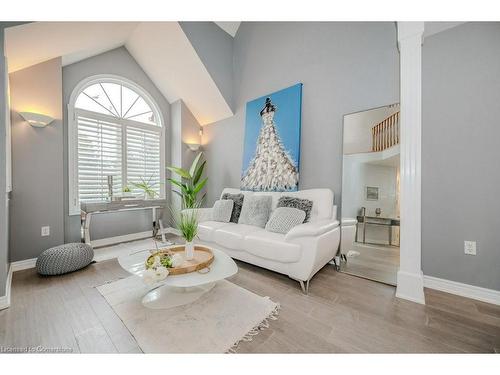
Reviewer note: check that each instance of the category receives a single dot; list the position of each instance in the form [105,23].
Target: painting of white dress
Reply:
[271,152]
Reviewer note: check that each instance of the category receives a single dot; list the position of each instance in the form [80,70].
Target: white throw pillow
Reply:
[285,218]
[256,210]
[222,210]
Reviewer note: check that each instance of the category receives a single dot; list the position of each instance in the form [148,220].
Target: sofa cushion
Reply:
[222,210]
[238,203]
[322,202]
[285,218]
[256,210]
[302,204]
[232,236]
[269,245]
[206,229]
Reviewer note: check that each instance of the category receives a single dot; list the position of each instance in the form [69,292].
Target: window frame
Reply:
[73,188]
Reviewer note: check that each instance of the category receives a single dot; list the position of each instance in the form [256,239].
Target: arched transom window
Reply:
[116,130]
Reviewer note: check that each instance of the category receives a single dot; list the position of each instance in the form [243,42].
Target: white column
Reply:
[410,277]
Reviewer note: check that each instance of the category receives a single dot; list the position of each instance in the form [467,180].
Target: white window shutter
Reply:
[143,157]
[99,155]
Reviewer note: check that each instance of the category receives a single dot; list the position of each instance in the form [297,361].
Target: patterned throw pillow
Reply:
[238,203]
[256,210]
[285,218]
[222,210]
[302,204]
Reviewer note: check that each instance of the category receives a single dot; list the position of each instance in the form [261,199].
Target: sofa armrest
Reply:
[313,229]
[203,214]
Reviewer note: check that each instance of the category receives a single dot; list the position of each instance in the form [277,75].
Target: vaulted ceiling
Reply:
[162,50]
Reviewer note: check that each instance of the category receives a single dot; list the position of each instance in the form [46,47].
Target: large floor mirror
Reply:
[370,194]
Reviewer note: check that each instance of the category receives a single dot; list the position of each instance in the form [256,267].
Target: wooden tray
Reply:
[203,257]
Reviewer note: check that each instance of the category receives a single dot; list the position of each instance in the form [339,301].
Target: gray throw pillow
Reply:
[302,204]
[222,210]
[285,218]
[238,203]
[256,210]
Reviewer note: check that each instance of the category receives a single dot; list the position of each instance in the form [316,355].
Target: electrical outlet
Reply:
[470,247]
[45,231]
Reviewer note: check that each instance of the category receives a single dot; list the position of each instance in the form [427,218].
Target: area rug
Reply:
[216,323]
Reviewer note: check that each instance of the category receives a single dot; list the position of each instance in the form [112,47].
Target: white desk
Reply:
[91,209]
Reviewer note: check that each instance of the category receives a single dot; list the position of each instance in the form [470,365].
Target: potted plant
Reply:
[187,223]
[190,183]
[147,187]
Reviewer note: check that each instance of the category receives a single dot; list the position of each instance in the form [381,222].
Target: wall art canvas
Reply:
[271,152]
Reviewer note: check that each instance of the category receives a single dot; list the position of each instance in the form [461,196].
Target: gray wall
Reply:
[461,154]
[37,174]
[118,62]
[345,68]
[215,48]
[4,207]
[185,129]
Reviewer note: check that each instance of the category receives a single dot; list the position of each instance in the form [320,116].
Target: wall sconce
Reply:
[36,119]
[193,146]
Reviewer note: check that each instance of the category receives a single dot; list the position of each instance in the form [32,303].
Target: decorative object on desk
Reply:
[174,259]
[272,141]
[110,187]
[371,193]
[126,189]
[378,211]
[147,187]
[190,183]
[187,223]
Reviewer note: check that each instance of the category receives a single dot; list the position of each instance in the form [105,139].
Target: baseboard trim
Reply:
[23,264]
[5,300]
[410,286]
[119,239]
[464,290]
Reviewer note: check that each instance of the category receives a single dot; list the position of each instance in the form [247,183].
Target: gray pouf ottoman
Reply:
[64,258]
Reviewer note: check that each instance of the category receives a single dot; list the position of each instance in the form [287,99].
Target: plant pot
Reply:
[189,250]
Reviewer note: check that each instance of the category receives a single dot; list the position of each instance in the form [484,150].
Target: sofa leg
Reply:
[304,286]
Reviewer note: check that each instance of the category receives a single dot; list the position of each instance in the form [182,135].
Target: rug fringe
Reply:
[256,330]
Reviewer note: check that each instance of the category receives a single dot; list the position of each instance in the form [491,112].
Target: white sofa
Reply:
[300,253]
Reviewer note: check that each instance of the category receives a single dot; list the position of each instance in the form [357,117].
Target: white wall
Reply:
[358,128]
[357,176]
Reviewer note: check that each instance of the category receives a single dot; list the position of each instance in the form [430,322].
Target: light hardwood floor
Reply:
[342,313]
[374,262]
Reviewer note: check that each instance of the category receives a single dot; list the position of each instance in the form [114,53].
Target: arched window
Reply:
[115,129]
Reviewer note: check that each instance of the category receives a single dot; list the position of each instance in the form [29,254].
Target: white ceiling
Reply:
[161,49]
[432,28]
[229,27]
[167,56]
[35,42]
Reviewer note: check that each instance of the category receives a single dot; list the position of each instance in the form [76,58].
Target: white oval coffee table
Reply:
[182,289]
